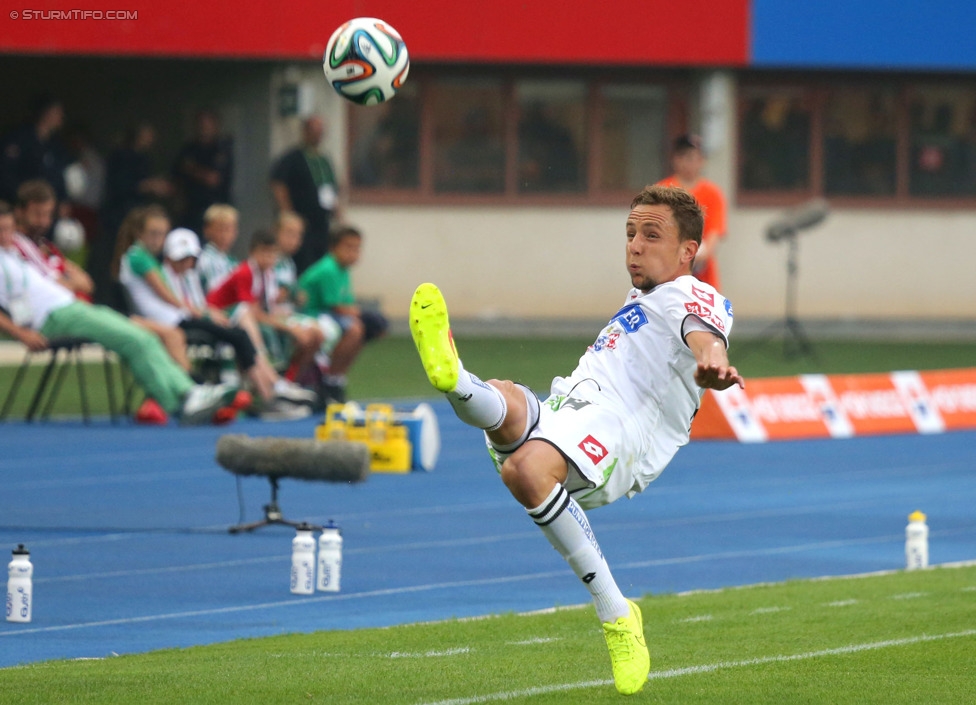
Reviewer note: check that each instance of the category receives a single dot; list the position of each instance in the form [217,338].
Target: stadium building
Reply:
[504,168]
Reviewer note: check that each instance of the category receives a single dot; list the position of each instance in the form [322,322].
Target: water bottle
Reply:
[303,561]
[916,542]
[330,557]
[20,592]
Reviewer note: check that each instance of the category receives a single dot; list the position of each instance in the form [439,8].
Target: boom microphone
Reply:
[304,459]
[804,216]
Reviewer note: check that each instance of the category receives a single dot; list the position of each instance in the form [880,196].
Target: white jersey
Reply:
[27,294]
[214,266]
[641,366]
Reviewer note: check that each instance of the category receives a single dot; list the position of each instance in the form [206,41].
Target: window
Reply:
[551,136]
[633,136]
[386,142]
[469,136]
[775,141]
[871,139]
[459,134]
[860,135]
[942,141]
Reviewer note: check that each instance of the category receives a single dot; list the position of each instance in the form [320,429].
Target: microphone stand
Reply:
[796,343]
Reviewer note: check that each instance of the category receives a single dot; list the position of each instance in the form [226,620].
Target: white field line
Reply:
[709,668]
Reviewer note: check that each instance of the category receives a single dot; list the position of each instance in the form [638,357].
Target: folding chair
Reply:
[52,379]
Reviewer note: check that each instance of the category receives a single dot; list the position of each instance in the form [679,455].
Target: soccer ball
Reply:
[366,61]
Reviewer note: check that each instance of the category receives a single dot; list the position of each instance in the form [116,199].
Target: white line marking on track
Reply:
[770,610]
[699,618]
[841,603]
[709,668]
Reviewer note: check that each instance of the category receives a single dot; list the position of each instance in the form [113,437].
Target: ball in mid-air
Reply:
[366,61]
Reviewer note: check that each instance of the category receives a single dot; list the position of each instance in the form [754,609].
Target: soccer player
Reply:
[613,425]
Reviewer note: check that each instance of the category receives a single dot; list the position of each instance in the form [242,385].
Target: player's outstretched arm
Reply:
[714,370]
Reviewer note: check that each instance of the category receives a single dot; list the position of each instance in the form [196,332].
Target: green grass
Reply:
[389,369]
[905,637]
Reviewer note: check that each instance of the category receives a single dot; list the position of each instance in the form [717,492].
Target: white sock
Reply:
[477,403]
[565,525]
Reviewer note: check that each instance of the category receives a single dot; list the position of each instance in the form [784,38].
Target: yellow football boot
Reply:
[431,333]
[628,651]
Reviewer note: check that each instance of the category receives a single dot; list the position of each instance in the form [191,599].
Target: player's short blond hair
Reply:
[219,212]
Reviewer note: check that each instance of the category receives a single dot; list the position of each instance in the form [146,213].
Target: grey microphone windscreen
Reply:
[804,216]
[305,459]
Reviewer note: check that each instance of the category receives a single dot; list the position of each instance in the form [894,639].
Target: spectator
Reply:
[203,170]
[289,229]
[152,218]
[34,214]
[252,288]
[34,151]
[326,288]
[304,181]
[37,309]
[688,160]
[172,296]
[85,180]
[220,233]
[129,183]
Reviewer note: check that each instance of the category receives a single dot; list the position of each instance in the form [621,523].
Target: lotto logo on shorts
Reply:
[594,450]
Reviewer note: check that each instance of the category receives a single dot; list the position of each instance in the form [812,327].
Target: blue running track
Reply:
[127,528]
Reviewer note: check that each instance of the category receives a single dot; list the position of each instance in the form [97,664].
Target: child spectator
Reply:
[289,229]
[38,309]
[281,399]
[252,287]
[154,298]
[326,288]
[220,233]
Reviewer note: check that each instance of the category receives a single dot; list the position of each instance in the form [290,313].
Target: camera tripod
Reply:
[796,343]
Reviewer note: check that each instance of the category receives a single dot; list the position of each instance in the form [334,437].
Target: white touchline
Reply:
[708,668]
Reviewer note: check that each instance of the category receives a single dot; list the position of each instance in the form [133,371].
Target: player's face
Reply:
[183,265]
[290,237]
[222,233]
[7,230]
[347,251]
[265,257]
[654,253]
[688,165]
[36,218]
[154,234]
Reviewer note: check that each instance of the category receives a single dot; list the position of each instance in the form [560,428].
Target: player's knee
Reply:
[526,483]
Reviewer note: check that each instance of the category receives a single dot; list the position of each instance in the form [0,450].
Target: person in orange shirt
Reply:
[687,161]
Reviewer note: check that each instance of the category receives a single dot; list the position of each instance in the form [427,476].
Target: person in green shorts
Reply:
[36,309]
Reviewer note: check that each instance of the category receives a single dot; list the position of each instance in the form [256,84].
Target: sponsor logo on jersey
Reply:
[703,295]
[630,318]
[594,450]
[706,314]
[728,308]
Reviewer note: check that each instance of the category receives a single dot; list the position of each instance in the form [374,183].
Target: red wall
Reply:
[623,32]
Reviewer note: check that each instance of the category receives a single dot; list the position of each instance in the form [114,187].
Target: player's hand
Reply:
[718,377]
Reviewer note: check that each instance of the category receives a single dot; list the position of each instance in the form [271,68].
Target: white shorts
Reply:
[593,439]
